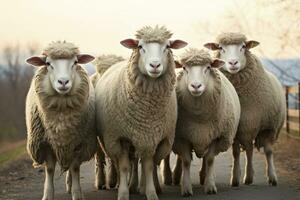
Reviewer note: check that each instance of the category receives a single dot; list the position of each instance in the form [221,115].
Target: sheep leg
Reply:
[186,183]
[203,171]
[76,189]
[48,185]
[209,183]
[249,165]
[123,167]
[68,182]
[271,172]
[142,186]
[99,169]
[167,173]
[155,179]
[134,178]
[236,169]
[113,175]
[148,164]
[177,171]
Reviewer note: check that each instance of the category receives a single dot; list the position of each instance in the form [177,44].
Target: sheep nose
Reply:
[196,85]
[63,82]
[233,62]
[155,65]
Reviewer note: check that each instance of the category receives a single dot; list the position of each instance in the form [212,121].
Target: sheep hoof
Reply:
[272,181]
[77,196]
[152,196]
[235,183]
[210,189]
[248,180]
[186,191]
[123,197]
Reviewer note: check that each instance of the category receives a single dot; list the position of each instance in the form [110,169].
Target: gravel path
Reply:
[19,181]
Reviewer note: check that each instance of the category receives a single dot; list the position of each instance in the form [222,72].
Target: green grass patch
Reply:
[12,153]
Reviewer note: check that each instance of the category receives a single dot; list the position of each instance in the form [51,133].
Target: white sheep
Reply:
[60,114]
[136,105]
[262,102]
[102,63]
[208,115]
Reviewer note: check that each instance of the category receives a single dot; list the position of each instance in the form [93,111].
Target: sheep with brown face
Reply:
[138,111]
[262,102]
[60,114]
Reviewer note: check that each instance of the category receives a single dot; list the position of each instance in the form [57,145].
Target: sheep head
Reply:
[60,59]
[197,65]
[232,48]
[153,45]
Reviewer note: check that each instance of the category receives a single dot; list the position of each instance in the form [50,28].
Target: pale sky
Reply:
[97,26]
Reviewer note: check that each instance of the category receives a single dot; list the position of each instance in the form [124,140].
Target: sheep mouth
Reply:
[63,90]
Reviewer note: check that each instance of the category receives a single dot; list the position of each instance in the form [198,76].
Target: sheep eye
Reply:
[76,62]
[49,65]
[185,69]
[243,47]
[222,49]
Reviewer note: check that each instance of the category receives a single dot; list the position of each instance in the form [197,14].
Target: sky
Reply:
[98,26]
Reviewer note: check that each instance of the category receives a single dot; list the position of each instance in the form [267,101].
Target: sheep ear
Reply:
[130,43]
[177,44]
[84,58]
[251,44]
[212,46]
[177,64]
[217,63]
[36,61]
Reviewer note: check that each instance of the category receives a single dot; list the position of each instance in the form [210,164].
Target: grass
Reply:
[12,153]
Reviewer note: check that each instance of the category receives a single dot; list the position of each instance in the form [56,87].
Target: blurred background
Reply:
[97,26]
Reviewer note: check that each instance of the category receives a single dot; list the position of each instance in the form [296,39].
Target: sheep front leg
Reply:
[186,183]
[209,183]
[249,165]
[134,177]
[99,169]
[167,173]
[68,182]
[49,170]
[236,169]
[76,189]
[272,177]
[148,167]
[177,171]
[123,167]
[202,173]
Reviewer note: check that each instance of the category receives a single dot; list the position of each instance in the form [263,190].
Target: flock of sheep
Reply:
[139,110]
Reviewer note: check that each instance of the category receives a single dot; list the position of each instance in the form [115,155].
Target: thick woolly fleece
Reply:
[137,109]
[102,63]
[262,103]
[63,125]
[210,118]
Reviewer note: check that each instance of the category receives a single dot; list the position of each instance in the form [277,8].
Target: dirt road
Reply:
[20,181]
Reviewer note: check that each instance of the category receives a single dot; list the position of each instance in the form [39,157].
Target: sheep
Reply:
[262,102]
[208,115]
[60,114]
[137,112]
[102,63]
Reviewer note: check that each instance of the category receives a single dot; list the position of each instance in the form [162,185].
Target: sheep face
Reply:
[233,54]
[198,78]
[62,71]
[153,56]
